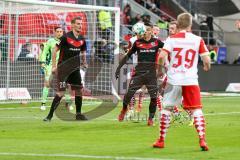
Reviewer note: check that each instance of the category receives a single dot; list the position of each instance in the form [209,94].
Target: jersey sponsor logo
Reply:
[74,42]
[75,49]
[147,51]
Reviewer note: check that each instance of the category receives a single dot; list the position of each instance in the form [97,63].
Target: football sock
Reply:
[78,103]
[164,123]
[159,103]
[45,94]
[54,105]
[152,108]
[175,109]
[199,122]
[132,103]
[140,101]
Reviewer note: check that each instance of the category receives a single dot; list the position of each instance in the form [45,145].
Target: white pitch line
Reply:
[216,114]
[106,119]
[38,107]
[77,156]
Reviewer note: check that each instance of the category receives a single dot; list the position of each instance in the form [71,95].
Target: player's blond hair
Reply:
[184,20]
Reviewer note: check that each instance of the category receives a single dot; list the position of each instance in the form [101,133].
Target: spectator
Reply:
[213,54]
[105,21]
[136,19]
[141,2]
[25,53]
[146,18]
[163,25]
[127,15]
[158,3]
[209,21]
[204,31]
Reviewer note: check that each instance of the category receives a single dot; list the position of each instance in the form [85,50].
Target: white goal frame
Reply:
[10,9]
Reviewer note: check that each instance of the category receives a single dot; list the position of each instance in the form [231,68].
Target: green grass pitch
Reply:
[24,136]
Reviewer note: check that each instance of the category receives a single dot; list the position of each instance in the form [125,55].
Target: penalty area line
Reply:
[78,156]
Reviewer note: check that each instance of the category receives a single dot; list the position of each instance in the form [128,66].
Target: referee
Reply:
[72,48]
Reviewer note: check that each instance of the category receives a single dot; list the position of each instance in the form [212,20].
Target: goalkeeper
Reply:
[46,67]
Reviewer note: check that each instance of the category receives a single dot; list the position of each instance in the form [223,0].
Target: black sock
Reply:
[152,108]
[124,105]
[54,105]
[78,103]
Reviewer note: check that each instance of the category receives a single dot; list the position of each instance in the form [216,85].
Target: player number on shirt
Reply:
[189,57]
[62,84]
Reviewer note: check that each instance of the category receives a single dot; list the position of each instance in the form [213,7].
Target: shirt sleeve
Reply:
[84,46]
[168,47]
[203,51]
[160,44]
[133,49]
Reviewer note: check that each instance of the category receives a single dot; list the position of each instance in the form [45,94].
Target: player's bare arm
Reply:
[84,61]
[54,65]
[206,62]
[161,61]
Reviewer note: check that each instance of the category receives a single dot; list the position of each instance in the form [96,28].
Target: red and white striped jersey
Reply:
[184,49]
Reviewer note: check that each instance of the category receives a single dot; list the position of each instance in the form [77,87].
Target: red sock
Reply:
[199,122]
[140,101]
[159,103]
[175,109]
[164,123]
[132,103]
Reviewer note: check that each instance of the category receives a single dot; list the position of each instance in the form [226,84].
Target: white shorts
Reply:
[172,96]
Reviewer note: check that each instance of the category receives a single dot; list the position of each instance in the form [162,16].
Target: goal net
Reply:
[26,24]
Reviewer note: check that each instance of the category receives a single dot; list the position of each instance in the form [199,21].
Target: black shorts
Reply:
[74,79]
[148,78]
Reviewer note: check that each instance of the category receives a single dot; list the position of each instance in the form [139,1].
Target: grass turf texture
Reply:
[24,136]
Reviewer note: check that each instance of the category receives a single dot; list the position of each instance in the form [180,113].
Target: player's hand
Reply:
[42,69]
[117,73]
[54,69]
[160,71]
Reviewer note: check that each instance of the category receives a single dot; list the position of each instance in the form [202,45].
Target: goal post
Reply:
[26,24]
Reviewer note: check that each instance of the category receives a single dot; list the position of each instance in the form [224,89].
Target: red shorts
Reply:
[191,97]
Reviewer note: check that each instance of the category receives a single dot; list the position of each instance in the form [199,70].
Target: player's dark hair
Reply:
[55,28]
[149,24]
[74,19]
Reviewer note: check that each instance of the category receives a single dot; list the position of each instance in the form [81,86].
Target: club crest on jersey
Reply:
[153,43]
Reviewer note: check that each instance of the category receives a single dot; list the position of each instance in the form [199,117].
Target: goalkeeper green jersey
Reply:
[46,55]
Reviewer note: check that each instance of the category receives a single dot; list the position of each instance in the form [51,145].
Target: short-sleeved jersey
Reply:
[147,52]
[46,55]
[70,47]
[184,49]
[130,44]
